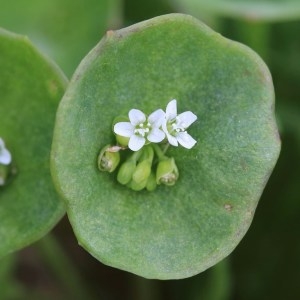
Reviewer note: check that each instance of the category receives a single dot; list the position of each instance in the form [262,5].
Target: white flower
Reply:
[5,156]
[140,128]
[175,126]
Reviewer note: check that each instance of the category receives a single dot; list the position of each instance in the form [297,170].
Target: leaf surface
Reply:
[30,88]
[179,231]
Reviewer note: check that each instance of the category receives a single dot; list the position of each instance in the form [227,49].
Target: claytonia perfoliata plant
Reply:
[147,137]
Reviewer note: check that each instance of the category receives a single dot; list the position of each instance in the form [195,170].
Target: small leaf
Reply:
[260,10]
[30,89]
[178,231]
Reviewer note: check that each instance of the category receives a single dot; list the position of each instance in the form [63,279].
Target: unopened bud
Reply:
[151,182]
[126,171]
[137,186]
[142,171]
[108,159]
[122,140]
[167,172]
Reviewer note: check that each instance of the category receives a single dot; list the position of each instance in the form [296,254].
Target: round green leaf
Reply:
[256,10]
[178,231]
[30,89]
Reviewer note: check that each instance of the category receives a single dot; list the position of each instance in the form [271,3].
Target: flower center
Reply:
[174,126]
[142,129]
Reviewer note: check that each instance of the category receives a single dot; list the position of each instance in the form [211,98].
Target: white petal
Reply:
[172,139]
[186,118]
[136,117]
[164,126]
[156,135]
[136,142]
[185,140]
[124,129]
[5,157]
[171,110]
[156,118]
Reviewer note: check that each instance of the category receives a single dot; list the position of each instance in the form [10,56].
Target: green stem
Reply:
[145,289]
[214,284]
[150,153]
[146,153]
[165,148]
[220,281]
[11,288]
[256,35]
[61,265]
[159,152]
[136,155]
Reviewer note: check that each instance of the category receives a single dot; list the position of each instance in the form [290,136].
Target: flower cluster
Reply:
[156,127]
[145,135]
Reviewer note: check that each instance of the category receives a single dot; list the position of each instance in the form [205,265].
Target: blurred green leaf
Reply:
[255,10]
[30,89]
[136,10]
[179,231]
[64,29]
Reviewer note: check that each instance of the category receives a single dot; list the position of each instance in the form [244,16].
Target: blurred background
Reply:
[266,264]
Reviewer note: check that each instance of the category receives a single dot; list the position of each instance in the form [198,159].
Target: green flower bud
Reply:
[108,159]
[126,171]
[137,186]
[151,182]
[122,140]
[167,172]
[142,171]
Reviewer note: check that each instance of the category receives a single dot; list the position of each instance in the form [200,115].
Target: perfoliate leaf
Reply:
[30,88]
[177,231]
